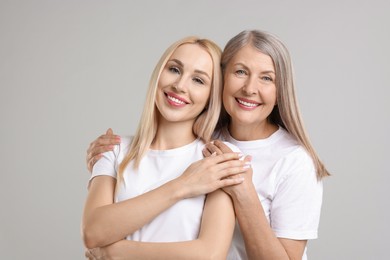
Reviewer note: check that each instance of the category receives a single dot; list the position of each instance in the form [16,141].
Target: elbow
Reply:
[91,237]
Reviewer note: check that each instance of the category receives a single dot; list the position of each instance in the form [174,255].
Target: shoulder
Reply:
[124,146]
[297,163]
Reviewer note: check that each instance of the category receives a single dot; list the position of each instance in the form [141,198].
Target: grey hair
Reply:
[286,113]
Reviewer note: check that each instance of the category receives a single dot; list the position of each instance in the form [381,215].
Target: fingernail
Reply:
[247,165]
[214,154]
[240,154]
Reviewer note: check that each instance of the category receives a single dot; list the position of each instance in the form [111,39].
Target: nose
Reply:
[250,86]
[181,85]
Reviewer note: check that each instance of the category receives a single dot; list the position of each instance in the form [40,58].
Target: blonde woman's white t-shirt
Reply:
[181,221]
[285,179]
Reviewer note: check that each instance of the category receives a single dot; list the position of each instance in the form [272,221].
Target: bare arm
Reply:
[262,244]
[105,222]
[212,243]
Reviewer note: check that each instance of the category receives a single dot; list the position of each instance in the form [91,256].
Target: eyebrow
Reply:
[269,71]
[197,71]
[266,71]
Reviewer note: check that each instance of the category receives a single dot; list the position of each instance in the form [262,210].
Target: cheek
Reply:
[165,79]
[202,96]
[274,97]
[270,95]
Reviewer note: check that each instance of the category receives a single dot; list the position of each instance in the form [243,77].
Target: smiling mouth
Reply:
[247,104]
[176,101]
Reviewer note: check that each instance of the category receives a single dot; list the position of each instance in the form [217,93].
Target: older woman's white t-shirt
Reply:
[285,179]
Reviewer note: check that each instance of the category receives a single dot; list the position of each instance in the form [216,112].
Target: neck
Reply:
[173,135]
[244,132]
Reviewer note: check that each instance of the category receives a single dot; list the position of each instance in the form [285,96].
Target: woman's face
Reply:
[185,84]
[249,94]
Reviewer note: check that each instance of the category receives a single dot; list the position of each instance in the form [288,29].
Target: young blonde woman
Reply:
[278,206]
[151,187]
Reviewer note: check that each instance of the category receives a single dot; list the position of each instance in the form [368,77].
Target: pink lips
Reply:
[175,100]
[247,104]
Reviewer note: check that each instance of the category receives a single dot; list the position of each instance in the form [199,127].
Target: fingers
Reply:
[231,181]
[225,157]
[107,139]
[206,152]
[91,161]
[102,144]
[221,146]
[109,131]
[210,148]
[230,168]
[248,158]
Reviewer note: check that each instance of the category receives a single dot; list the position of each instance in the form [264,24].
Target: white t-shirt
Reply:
[285,179]
[181,221]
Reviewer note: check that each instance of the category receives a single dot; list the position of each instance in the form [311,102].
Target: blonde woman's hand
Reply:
[99,253]
[236,191]
[212,173]
[94,254]
[102,144]
[219,147]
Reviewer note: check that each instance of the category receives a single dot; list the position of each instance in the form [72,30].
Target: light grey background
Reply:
[70,69]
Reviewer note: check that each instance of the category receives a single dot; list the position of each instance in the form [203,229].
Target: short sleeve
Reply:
[107,165]
[296,205]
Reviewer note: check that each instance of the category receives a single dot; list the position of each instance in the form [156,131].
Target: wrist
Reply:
[176,190]
[243,195]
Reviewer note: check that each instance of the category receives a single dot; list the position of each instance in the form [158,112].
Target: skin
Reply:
[249,96]
[249,78]
[106,223]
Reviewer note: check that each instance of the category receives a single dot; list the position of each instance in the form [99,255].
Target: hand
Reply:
[212,173]
[245,185]
[95,254]
[102,144]
[217,147]
[109,252]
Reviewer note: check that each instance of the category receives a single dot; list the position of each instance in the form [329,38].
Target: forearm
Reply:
[260,240]
[113,222]
[195,249]
[212,243]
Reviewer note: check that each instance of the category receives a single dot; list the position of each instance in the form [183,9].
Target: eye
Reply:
[240,72]
[198,80]
[174,70]
[267,78]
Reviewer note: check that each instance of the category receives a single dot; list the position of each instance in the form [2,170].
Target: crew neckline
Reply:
[174,151]
[258,142]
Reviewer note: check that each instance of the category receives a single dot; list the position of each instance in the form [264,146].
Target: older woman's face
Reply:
[249,94]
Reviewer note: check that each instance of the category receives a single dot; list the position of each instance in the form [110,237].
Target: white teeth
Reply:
[246,103]
[176,100]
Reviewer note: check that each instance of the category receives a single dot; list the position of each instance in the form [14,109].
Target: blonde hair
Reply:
[286,112]
[205,122]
